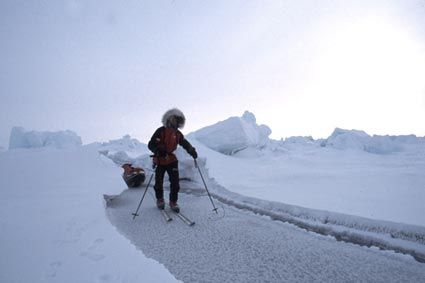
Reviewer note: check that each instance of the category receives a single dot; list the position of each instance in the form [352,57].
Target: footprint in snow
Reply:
[90,254]
[51,273]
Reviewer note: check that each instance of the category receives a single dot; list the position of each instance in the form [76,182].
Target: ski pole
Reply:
[140,203]
[202,177]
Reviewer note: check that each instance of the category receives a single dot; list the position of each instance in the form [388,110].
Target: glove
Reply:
[193,153]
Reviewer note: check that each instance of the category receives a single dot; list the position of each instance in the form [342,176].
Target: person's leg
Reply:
[159,181]
[173,173]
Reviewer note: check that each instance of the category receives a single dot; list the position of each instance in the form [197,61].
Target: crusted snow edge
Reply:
[386,235]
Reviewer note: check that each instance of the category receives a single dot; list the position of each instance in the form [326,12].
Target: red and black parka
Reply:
[164,142]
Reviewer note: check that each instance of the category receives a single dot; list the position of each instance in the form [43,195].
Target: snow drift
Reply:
[347,139]
[234,134]
[54,227]
[125,143]
[243,137]
[126,150]
[359,140]
[20,138]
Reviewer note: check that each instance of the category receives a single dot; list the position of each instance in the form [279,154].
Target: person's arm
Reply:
[187,146]
[153,143]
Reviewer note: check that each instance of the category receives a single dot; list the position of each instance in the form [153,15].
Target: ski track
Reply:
[244,247]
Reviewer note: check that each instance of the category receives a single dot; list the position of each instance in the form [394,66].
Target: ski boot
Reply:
[174,206]
[160,203]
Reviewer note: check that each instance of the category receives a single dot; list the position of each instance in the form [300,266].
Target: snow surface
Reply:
[242,247]
[388,187]
[54,227]
[20,138]
[356,188]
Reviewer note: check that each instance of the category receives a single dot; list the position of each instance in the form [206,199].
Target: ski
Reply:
[185,219]
[167,216]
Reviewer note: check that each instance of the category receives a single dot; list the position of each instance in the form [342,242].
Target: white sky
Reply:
[302,67]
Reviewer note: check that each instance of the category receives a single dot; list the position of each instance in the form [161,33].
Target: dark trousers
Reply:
[173,174]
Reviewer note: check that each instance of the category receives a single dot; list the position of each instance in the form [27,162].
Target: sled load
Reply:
[133,176]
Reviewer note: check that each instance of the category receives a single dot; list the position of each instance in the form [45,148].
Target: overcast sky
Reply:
[108,68]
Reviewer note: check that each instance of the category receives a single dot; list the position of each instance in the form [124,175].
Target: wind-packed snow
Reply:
[234,134]
[333,186]
[361,189]
[20,138]
[53,224]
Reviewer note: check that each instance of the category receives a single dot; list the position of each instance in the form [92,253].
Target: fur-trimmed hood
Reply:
[173,112]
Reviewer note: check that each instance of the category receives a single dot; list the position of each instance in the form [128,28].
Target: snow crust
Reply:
[237,246]
[234,134]
[404,238]
[54,227]
[20,138]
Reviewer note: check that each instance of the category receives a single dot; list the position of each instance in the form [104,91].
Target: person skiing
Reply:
[163,143]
